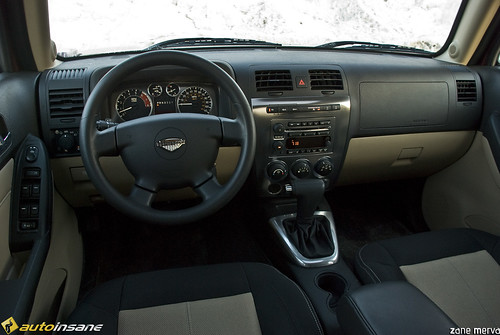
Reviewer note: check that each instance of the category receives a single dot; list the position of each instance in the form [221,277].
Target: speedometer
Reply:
[132,104]
[194,99]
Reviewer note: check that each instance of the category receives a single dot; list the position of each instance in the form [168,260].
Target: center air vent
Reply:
[273,80]
[66,103]
[326,80]
[466,90]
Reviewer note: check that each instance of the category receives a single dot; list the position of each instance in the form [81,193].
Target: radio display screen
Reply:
[306,142]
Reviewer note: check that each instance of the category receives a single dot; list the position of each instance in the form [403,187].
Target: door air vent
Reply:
[67,74]
[273,80]
[326,80]
[466,90]
[66,103]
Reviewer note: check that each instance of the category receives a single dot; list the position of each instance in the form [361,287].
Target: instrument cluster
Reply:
[140,100]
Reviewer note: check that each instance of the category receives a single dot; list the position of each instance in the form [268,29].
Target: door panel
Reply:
[19,269]
[6,174]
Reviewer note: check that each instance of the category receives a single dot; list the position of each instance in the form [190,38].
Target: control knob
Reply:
[277,170]
[66,142]
[279,128]
[278,146]
[323,167]
[301,168]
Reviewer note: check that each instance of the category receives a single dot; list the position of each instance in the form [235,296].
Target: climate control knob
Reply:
[301,168]
[277,170]
[323,167]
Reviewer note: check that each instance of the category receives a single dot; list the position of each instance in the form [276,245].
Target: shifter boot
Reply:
[312,237]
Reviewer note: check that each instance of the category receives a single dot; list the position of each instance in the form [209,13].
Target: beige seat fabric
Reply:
[466,287]
[221,316]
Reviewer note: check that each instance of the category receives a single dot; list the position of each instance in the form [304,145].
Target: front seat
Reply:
[458,269]
[239,298]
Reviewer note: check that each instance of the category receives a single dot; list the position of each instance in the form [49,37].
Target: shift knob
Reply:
[309,194]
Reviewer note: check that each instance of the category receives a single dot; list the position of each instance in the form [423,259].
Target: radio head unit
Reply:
[308,136]
[299,139]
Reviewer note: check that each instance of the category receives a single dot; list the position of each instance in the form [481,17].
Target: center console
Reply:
[301,143]
[299,139]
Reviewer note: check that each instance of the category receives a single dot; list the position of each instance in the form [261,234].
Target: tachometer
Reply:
[132,104]
[194,100]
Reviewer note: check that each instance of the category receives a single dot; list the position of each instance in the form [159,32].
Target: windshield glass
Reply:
[82,27]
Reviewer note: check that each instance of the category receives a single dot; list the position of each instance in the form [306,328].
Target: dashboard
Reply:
[339,116]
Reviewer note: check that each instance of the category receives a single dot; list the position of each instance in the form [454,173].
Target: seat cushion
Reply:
[217,293]
[381,261]
[457,269]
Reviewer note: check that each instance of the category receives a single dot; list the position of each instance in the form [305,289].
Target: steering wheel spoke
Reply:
[209,189]
[105,142]
[232,132]
[142,196]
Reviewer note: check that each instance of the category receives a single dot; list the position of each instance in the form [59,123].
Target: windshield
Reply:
[82,27]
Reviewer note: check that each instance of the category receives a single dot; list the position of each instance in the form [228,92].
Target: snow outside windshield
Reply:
[81,27]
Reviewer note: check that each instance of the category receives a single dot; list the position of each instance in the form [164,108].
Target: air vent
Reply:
[326,80]
[466,90]
[66,103]
[67,74]
[273,80]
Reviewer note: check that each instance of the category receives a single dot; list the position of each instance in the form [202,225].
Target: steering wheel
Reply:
[168,151]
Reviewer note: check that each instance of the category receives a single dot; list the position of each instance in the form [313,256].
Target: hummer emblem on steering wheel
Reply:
[171,144]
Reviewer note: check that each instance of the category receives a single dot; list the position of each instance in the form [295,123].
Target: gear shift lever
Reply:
[309,194]
[311,235]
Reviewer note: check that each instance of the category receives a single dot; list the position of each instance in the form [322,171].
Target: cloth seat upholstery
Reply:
[458,269]
[280,305]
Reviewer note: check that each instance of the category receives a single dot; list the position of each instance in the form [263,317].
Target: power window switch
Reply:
[24,211]
[35,190]
[34,211]
[26,191]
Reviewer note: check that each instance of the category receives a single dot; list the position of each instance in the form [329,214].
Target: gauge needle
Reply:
[124,110]
[186,104]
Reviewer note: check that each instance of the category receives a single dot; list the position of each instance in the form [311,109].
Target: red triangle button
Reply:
[301,81]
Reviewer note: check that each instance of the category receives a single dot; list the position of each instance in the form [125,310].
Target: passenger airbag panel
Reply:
[396,104]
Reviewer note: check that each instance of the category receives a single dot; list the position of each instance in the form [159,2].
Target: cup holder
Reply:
[335,285]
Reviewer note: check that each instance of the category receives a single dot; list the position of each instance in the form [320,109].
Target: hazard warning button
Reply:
[301,82]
